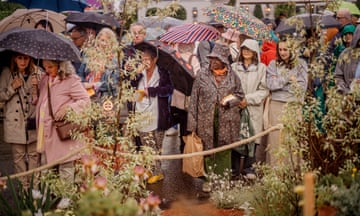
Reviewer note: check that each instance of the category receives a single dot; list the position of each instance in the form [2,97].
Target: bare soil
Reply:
[187,208]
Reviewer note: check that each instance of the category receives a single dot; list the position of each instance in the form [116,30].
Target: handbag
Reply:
[31,124]
[63,128]
[194,166]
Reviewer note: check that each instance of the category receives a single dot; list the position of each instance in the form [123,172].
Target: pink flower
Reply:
[89,164]
[100,183]
[2,184]
[139,170]
[153,201]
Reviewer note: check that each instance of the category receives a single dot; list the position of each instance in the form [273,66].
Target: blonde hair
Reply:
[65,68]
[112,43]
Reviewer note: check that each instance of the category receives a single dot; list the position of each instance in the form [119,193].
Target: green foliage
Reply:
[286,9]
[97,204]
[31,199]
[173,10]
[231,2]
[347,200]
[152,11]
[258,11]
[7,8]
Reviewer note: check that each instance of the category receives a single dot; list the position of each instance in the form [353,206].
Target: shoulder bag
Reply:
[64,128]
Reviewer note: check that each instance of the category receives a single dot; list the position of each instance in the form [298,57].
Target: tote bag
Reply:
[193,166]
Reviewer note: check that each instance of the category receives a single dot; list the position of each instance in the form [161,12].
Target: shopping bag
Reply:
[246,131]
[193,166]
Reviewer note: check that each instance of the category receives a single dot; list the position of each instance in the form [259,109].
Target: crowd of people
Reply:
[232,74]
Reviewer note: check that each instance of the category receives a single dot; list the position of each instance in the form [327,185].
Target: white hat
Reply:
[69,27]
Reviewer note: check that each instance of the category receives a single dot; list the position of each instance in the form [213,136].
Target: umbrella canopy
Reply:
[29,17]
[190,33]
[160,22]
[39,44]
[169,59]
[154,33]
[93,20]
[241,20]
[54,5]
[351,6]
[306,20]
[94,3]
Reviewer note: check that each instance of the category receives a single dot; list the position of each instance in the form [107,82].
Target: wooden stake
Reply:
[309,197]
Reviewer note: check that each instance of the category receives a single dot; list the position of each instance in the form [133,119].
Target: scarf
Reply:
[220,72]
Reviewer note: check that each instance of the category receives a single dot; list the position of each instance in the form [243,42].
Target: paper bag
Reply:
[193,166]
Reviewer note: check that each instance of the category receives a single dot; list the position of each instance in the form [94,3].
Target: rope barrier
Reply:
[47,166]
[202,153]
[156,157]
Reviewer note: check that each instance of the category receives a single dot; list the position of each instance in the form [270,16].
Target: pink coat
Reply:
[68,91]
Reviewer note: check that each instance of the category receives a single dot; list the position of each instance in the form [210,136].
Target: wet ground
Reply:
[176,185]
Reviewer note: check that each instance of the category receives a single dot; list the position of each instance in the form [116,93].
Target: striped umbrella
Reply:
[190,33]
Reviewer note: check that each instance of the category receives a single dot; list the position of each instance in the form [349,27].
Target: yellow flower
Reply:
[299,189]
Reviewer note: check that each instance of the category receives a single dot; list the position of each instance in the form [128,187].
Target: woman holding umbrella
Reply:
[60,91]
[154,87]
[19,93]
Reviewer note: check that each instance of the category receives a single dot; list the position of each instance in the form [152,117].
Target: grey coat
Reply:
[15,115]
[205,96]
[278,81]
[347,63]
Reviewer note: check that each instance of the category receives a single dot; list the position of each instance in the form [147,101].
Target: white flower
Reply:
[36,194]
[38,213]
[334,188]
[64,203]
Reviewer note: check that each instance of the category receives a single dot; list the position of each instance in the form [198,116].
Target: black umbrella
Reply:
[39,44]
[169,59]
[93,20]
[308,21]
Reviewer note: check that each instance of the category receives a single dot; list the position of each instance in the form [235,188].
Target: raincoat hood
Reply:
[348,29]
[356,38]
[253,45]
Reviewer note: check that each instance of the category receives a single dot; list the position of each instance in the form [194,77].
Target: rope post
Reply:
[309,197]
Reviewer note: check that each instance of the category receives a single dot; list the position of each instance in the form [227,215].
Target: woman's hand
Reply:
[243,103]
[16,83]
[60,115]
[34,80]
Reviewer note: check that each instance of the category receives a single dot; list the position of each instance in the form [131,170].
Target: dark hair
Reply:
[13,67]
[254,60]
[45,24]
[82,31]
[152,51]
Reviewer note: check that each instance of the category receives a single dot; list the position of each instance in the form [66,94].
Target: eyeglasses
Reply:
[340,18]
